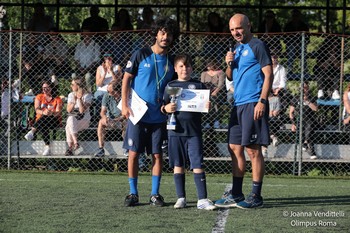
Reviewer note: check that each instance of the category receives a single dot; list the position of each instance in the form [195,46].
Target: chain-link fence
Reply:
[307,124]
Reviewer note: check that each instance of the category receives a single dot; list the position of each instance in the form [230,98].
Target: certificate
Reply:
[193,100]
[137,105]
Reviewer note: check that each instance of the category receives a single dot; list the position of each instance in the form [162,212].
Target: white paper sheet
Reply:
[137,105]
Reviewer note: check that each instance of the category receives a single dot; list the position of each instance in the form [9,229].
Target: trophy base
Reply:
[170,127]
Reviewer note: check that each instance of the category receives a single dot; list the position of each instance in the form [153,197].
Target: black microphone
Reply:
[231,48]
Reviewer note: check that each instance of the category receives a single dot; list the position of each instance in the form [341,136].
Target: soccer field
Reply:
[79,202]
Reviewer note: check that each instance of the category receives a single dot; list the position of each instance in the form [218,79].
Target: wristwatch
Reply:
[263,101]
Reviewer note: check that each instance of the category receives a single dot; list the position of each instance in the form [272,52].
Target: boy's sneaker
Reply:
[29,136]
[100,152]
[46,150]
[180,203]
[205,204]
[156,200]
[229,201]
[131,200]
[252,201]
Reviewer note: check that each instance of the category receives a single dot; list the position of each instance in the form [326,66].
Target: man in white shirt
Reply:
[87,57]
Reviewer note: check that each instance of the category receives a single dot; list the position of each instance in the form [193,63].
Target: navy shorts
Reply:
[145,136]
[183,149]
[243,130]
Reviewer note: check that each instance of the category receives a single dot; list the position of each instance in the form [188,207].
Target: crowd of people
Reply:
[255,80]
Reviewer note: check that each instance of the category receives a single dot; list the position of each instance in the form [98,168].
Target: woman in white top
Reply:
[346,100]
[78,105]
[105,73]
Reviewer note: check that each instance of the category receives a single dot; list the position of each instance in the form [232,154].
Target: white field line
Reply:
[221,218]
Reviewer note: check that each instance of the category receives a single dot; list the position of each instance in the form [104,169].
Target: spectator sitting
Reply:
[147,19]
[34,69]
[275,99]
[78,108]
[5,96]
[105,73]
[346,111]
[327,68]
[214,44]
[40,22]
[95,23]
[48,109]
[119,38]
[293,41]
[123,21]
[310,108]
[214,79]
[87,56]
[280,76]
[279,85]
[271,25]
[55,54]
[110,114]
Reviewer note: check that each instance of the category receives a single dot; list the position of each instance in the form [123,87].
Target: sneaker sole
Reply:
[247,208]
[128,205]
[157,205]
[179,207]
[226,205]
[209,209]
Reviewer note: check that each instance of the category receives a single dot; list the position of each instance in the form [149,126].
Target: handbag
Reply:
[76,114]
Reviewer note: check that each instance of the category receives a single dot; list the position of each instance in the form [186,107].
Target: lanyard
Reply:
[157,76]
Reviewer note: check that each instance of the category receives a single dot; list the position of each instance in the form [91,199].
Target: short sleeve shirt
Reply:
[110,103]
[87,98]
[248,77]
[187,123]
[152,72]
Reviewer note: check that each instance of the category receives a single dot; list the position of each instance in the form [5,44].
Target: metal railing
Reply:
[322,60]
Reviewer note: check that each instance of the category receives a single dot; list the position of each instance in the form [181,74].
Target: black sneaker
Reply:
[69,152]
[131,200]
[100,152]
[156,200]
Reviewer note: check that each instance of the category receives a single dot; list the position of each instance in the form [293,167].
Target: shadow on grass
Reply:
[307,201]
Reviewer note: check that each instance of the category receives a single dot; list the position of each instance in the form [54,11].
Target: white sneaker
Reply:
[205,204]
[16,83]
[275,141]
[30,92]
[216,125]
[313,157]
[264,152]
[125,152]
[180,203]
[320,94]
[46,151]
[336,95]
[29,136]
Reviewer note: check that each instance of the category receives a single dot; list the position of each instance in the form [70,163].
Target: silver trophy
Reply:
[174,92]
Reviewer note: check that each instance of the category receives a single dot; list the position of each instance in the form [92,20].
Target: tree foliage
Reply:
[70,18]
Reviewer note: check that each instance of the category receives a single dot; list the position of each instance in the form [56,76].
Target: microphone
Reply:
[231,48]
